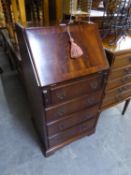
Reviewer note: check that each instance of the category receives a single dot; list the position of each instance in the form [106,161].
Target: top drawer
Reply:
[70,90]
[122,61]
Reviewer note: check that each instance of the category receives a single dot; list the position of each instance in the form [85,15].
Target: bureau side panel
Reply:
[34,92]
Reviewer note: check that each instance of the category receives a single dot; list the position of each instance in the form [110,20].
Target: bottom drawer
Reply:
[73,132]
[112,100]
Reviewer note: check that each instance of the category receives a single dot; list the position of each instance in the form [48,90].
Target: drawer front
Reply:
[59,111]
[122,61]
[77,88]
[72,120]
[118,91]
[110,99]
[72,132]
[120,73]
[118,82]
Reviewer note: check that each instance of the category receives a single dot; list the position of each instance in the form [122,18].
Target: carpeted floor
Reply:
[107,152]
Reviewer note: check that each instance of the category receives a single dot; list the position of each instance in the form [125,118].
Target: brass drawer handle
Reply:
[127,71]
[118,98]
[125,88]
[94,85]
[129,58]
[84,128]
[60,112]
[61,96]
[87,116]
[90,101]
[122,89]
[125,79]
[61,126]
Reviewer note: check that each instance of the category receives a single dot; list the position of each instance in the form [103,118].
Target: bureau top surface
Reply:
[50,52]
[123,45]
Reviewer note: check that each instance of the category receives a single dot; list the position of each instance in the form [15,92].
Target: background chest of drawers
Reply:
[118,86]
[65,94]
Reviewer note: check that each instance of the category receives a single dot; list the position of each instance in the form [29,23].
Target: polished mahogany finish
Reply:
[50,51]
[65,94]
[118,87]
[70,133]
[71,120]
[66,108]
[61,93]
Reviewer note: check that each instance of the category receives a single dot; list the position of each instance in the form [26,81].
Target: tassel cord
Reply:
[69,33]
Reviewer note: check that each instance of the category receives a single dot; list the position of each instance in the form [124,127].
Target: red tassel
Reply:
[76,51]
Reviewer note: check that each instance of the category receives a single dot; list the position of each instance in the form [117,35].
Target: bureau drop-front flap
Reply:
[49,49]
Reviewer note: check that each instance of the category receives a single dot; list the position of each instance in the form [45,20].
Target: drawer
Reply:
[110,99]
[118,82]
[119,91]
[73,132]
[122,61]
[59,111]
[77,88]
[72,120]
[120,73]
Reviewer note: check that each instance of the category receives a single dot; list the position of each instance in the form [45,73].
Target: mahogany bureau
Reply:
[118,86]
[65,94]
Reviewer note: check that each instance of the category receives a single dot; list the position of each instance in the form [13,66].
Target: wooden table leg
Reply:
[125,106]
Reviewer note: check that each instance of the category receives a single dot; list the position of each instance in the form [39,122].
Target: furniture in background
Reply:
[117,23]
[118,86]
[2,18]
[29,13]
[65,94]
[116,19]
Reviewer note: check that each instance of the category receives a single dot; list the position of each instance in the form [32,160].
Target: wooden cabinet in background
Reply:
[65,94]
[118,86]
